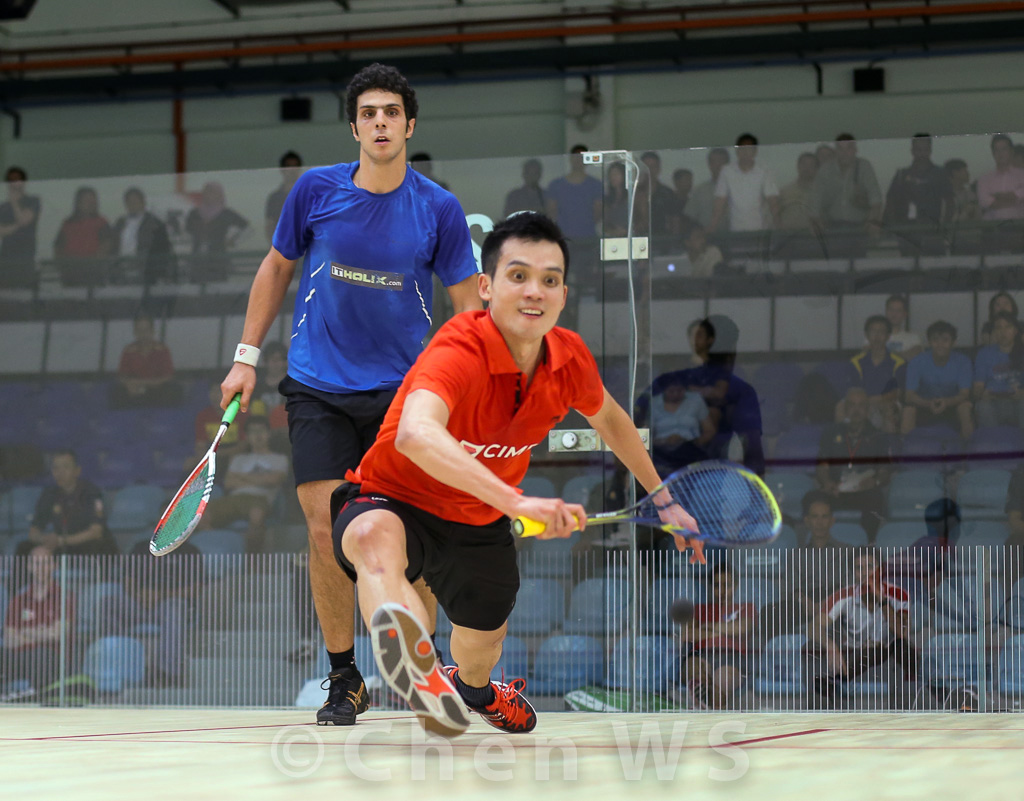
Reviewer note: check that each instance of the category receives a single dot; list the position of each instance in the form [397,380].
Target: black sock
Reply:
[342,659]
[474,696]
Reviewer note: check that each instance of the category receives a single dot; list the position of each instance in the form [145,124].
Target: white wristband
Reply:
[247,354]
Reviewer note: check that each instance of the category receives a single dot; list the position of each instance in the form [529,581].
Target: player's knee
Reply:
[364,542]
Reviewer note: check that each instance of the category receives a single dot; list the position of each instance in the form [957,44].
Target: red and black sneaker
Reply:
[408,663]
[509,711]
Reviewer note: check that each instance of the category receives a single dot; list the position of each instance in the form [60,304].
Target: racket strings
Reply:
[727,505]
[184,509]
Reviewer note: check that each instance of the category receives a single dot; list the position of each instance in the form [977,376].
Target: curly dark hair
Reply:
[385,79]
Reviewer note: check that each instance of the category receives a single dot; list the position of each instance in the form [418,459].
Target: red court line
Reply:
[170,731]
[776,737]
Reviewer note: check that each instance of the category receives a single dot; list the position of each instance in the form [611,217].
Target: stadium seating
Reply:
[982,492]
[564,663]
[540,607]
[911,491]
[657,660]
[591,607]
[17,507]
[789,489]
[135,508]
[114,663]
[782,670]
[850,533]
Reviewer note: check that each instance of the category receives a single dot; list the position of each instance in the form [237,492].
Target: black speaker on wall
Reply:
[296,109]
[15,9]
[869,79]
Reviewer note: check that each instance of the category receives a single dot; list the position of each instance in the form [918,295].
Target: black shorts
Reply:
[472,570]
[330,433]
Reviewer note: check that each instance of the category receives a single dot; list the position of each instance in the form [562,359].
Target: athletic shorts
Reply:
[472,570]
[330,433]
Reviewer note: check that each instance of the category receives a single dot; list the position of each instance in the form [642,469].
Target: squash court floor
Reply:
[103,754]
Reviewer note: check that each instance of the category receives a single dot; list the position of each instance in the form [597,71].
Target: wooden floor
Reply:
[191,754]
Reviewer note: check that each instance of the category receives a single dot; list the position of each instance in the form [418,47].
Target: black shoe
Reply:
[346,698]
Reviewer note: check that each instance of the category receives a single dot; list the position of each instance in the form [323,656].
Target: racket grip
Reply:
[525,527]
[232,410]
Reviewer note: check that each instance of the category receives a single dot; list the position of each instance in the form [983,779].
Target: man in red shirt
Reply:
[439,484]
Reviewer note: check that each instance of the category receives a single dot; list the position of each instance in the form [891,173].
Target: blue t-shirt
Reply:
[575,206]
[881,378]
[929,380]
[366,292]
[992,367]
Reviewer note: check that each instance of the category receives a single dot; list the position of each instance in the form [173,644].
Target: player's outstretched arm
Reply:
[269,288]
[424,439]
[617,429]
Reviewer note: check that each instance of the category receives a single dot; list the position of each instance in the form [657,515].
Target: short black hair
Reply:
[954,164]
[901,299]
[816,496]
[529,226]
[23,175]
[65,452]
[704,323]
[579,149]
[992,145]
[682,171]
[385,79]
[719,151]
[1001,294]
[650,154]
[421,156]
[291,155]
[746,139]
[878,318]
[940,327]
[134,190]
[846,137]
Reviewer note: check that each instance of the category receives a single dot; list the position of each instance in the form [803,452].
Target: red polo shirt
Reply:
[492,412]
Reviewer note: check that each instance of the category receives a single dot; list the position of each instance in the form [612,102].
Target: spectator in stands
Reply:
[902,340]
[85,242]
[1002,301]
[796,200]
[19,216]
[574,201]
[665,212]
[825,154]
[919,202]
[291,169]
[719,637]
[143,244]
[682,181]
[939,384]
[881,373]
[530,196]
[861,626]
[701,205]
[33,627]
[424,165]
[680,426]
[965,199]
[854,463]
[206,425]
[253,481]
[701,258]
[70,516]
[1001,192]
[145,374]
[998,386]
[267,400]
[847,200]
[616,205]
[747,190]
[214,229]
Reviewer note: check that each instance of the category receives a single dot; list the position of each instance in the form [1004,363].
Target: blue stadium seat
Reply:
[540,607]
[97,603]
[798,445]
[782,666]
[549,558]
[956,603]
[850,533]
[911,491]
[1010,667]
[591,607]
[983,532]
[221,549]
[900,533]
[657,664]
[114,663]
[776,387]
[982,493]
[1011,611]
[930,441]
[756,590]
[950,661]
[514,661]
[565,663]
[538,486]
[136,508]
[789,490]
[997,446]
[17,507]
[586,490]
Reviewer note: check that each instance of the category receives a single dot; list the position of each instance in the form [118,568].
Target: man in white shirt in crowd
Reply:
[747,190]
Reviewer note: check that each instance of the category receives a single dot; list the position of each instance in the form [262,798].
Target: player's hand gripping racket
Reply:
[732,506]
[182,514]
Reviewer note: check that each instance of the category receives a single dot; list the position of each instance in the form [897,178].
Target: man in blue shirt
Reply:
[880,372]
[368,238]
[939,384]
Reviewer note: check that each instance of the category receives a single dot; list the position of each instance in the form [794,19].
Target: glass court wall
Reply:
[818,273]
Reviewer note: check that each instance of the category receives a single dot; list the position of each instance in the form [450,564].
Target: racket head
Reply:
[186,508]
[731,504]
